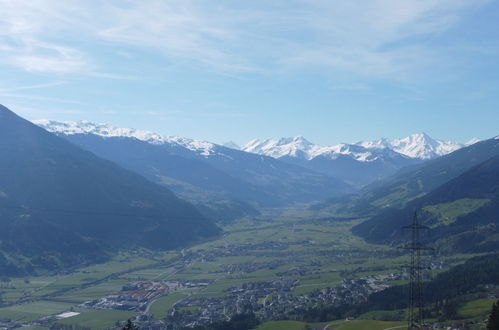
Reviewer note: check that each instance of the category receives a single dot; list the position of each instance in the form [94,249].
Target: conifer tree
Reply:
[130,326]
[493,323]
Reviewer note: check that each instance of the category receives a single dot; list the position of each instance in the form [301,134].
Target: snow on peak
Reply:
[472,141]
[299,147]
[424,147]
[108,131]
[418,146]
[104,130]
[296,146]
[377,144]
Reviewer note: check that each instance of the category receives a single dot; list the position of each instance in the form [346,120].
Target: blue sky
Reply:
[332,71]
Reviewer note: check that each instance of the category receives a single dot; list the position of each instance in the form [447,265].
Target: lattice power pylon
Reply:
[416,302]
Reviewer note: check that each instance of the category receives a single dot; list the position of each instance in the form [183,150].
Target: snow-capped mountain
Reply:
[354,163]
[416,146]
[299,147]
[293,147]
[198,170]
[107,131]
[358,163]
[472,141]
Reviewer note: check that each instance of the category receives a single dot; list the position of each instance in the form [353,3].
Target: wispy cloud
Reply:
[180,29]
[50,58]
[24,26]
[378,38]
[15,92]
[6,95]
[28,87]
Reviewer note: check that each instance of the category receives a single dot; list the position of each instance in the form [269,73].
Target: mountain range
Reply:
[61,205]
[259,180]
[73,192]
[461,214]
[358,163]
[416,146]
[208,174]
[456,196]
[412,182]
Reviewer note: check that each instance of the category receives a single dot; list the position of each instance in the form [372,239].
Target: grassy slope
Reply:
[282,325]
[368,325]
[161,306]
[98,319]
[33,311]
[447,213]
[479,308]
[461,212]
[336,325]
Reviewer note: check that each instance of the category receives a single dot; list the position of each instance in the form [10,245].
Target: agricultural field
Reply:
[290,255]
[164,304]
[476,308]
[369,325]
[98,319]
[282,325]
[336,325]
[33,311]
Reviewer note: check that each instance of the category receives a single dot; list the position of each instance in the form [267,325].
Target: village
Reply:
[270,300]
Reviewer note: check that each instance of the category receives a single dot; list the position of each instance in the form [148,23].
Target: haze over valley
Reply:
[282,165]
[94,195]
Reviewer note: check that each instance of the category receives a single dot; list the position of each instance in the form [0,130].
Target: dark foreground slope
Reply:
[61,205]
[463,214]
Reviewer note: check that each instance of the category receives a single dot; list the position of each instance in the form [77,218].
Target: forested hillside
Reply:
[61,205]
[462,214]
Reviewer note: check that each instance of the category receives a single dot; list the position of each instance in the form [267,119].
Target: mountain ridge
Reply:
[61,205]
[462,213]
[414,181]
[418,146]
[179,162]
[204,148]
[358,164]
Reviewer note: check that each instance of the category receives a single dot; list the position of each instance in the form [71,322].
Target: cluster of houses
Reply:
[133,296]
[270,300]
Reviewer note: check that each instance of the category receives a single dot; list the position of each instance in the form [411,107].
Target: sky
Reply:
[219,70]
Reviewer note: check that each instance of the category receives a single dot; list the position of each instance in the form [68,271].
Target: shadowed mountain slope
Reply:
[201,170]
[61,205]
[414,181]
[463,214]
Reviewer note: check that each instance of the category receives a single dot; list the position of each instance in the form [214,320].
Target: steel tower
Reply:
[416,302]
